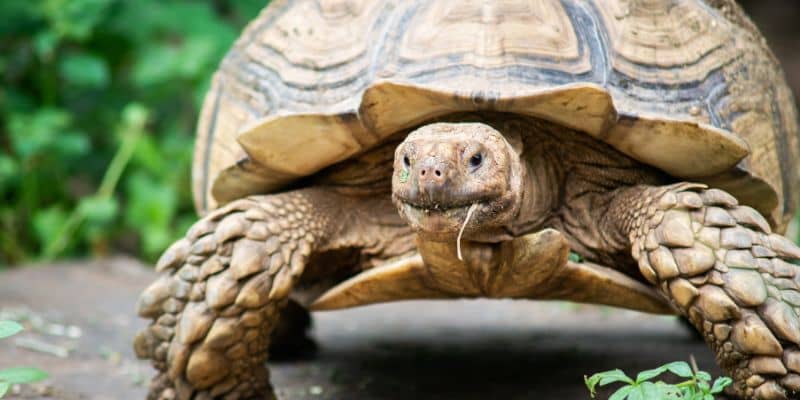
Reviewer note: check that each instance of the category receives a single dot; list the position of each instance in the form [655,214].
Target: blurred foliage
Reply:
[98,103]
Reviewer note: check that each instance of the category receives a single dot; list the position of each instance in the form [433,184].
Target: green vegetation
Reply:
[697,385]
[98,103]
[17,375]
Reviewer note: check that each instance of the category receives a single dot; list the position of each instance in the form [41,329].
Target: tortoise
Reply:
[351,152]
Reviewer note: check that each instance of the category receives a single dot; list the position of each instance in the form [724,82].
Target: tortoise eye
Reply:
[476,160]
[406,161]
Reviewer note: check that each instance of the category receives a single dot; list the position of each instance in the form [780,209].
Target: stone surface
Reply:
[391,351]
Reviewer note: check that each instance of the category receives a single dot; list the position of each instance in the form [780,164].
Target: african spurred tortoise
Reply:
[352,152]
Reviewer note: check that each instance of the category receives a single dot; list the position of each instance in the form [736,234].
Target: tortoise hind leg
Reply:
[723,269]
[220,294]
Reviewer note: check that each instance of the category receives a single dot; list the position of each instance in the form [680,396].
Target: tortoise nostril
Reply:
[422,172]
[438,173]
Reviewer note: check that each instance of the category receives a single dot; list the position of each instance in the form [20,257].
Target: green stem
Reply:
[106,190]
[690,382]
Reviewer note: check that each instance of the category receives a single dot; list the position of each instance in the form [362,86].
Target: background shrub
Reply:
[98,103]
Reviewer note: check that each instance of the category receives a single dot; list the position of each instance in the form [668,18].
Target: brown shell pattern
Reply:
[688,86]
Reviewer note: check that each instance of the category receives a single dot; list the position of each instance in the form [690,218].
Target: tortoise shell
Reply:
[687,86]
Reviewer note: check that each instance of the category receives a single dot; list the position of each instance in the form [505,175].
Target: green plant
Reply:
[98,103]
[17,375]
[696,386]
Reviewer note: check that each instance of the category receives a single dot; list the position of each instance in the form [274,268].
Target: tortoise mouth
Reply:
[440,207]
[443,221]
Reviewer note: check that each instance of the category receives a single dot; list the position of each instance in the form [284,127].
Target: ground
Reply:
[81,322]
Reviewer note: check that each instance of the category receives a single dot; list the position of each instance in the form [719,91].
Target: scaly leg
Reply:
[720,265]
[221,291]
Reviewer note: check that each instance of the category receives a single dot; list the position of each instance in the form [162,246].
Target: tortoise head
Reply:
[453,176]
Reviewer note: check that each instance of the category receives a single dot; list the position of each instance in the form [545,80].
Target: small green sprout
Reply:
[18,375]
[403,176]
[696,387]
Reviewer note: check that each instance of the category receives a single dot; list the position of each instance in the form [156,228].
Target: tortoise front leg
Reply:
[221,293]
[722,268]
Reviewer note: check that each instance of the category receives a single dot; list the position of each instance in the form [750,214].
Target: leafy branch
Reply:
[696,386]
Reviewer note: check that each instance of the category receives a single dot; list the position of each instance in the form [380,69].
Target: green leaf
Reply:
[720,384]
[615,375]
[4,386]
[591,383]
[649,390]
[649,374]
[36,132]
[9,171]
[98,209]
[22,375]
[703,376]
[622,392]
[48,223]
[9,328]
[636,395]
[84,70]
[680,368]
[74,19]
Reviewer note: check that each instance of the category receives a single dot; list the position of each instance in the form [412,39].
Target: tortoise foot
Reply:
[720,265]
[220,297]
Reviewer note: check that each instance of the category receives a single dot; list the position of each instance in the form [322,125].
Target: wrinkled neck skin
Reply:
[567,181]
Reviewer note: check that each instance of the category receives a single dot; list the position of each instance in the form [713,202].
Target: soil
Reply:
[468,349]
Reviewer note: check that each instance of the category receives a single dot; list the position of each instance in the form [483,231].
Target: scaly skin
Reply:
[721,267]
[220,294]
[224,286]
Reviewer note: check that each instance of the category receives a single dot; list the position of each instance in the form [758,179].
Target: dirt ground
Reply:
[470,349]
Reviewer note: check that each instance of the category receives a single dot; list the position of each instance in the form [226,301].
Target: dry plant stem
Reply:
[461,231]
